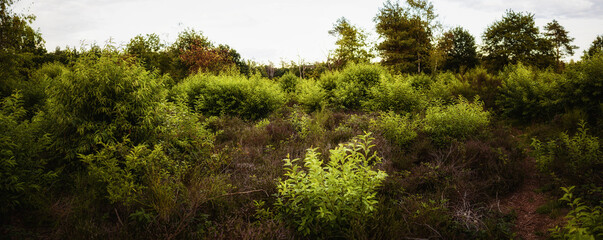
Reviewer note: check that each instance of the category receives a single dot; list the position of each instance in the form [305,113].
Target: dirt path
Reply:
[529,224]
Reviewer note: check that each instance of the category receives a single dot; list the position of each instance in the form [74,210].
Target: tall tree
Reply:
[557,35]
[515,39]
[351,43]
[595,47]
[406,33]
[459,48]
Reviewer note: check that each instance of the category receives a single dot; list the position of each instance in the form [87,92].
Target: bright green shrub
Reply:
[310,95]
[23,176]
[353,85]
[419,81]
[459,120]
[251,98]
[447,86]
[526,94]
[288,82]
[395,128]
[583,222]
[577,159]
[103,100]
[395,94]
[321,199]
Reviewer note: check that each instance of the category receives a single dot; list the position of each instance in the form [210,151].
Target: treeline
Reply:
[189,141]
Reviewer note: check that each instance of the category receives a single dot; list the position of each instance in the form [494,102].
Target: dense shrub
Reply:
[251,98]
[288,82]
[22,170]
[102,100]
[447,86]
[395,128]
[577,159]
[395,94]
[527,94]
[483,84]
[325,199]
[583,88]
[459,120]
[352,85]
[310,95]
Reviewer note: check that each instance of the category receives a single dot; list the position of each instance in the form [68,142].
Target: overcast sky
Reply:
[275,30]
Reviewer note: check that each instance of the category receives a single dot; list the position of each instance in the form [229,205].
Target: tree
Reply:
[351,42]
[515,39]
[406,34]
[459,48]
[147,49]
[557,35]
[595,47]
[20,46]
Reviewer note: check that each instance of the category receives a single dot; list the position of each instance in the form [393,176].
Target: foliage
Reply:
[20,48]
[528,94]
[103,100]
[400,130]
[583,87]
[514,39]
[22,170]
[576,159]
[353,83]
[325,199]
[250,98]
[595,47]
[561,41]
[288,82]
[583,222]
[460,120]
[351,42]
[460,50]
[406,33]
[311,95]
[395,94]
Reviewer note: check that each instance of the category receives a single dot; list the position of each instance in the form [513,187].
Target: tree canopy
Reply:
[515,38]
[351,43]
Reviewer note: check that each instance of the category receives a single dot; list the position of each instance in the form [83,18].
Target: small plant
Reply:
[577,158]
[583,222]
[321,198]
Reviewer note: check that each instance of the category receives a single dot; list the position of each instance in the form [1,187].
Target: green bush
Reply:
[395,128]
[310,95]
[323,199]
[102,100]
[583,88]
[251,98]
[527,94]
[577,159]
[353,84]
[484,85]
[288,82]
[395,94]
[23,176]
[459,120]
[447,86]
